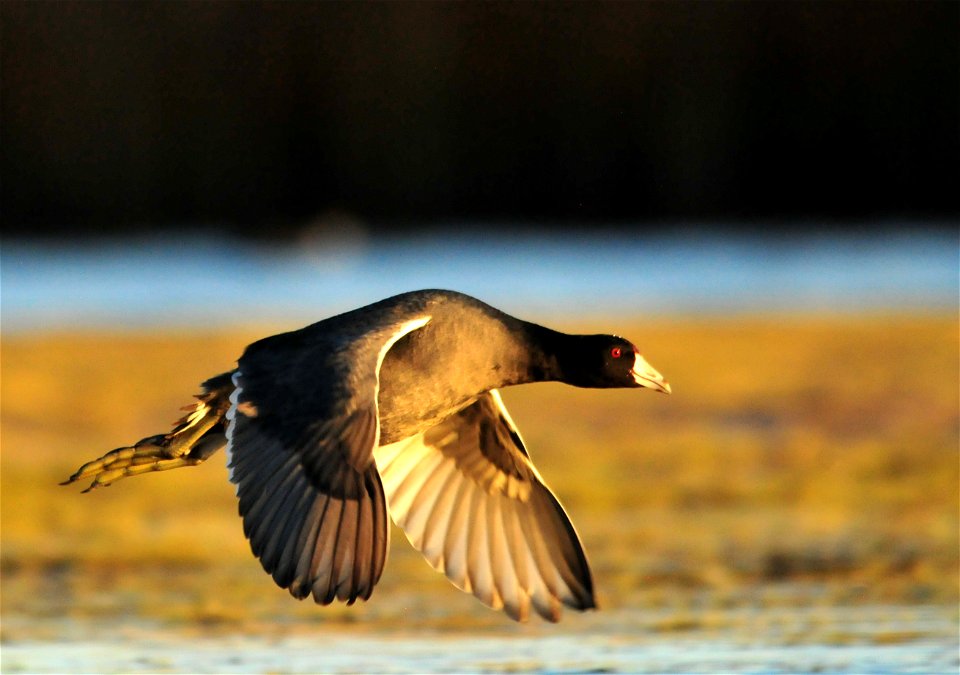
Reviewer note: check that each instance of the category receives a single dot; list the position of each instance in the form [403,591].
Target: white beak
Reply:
[647,376]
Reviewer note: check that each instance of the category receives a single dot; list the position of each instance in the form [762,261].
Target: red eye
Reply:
[615,352]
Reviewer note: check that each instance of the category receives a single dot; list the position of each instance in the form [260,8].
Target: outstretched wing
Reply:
[468,497]
[302,427]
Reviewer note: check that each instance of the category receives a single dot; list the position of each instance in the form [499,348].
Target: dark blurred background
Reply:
[127,116]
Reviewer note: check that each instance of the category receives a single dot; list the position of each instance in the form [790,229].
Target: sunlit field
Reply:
[803,463]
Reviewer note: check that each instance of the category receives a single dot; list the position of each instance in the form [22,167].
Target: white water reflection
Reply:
[864,645]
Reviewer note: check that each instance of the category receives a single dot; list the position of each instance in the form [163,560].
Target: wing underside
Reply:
[467,496]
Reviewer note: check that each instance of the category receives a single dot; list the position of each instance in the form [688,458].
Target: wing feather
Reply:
[341,573]
[418,470]
[305,547]
[285,571]
[468,497]
[301,456]
[455,543]
[478,555]
[435,474]
[282,517]
[503,570]
[438,520]
[255,501]
[321,570]
[366,537]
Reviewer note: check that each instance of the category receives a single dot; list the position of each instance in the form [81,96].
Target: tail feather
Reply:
[195,437]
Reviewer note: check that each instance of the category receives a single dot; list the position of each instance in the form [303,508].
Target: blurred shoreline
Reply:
[187,281]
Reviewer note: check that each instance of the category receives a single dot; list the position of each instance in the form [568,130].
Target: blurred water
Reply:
[186,280]
[854,646]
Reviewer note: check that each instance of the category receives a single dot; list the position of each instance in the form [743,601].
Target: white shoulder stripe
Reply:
[406,327]
[231,416]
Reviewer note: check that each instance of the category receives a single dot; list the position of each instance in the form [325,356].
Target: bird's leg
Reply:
[191,443]
[149,454]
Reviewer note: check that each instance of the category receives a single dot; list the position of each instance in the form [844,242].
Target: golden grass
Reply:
[795,449]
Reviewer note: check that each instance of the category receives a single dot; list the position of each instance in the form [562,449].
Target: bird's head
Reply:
[610,361]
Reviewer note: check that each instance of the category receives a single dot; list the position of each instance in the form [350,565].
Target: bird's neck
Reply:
[550,355]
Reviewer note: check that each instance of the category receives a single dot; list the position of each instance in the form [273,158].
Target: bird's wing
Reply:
[468,497]
[302,426]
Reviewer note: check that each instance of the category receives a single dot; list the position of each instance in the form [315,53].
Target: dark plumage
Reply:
[396,404]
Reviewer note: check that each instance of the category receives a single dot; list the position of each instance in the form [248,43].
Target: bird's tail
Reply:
[195,437]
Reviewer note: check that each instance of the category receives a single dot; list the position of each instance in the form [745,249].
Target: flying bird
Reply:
[394,407]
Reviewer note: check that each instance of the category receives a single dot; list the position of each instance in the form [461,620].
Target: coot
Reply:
[394,407]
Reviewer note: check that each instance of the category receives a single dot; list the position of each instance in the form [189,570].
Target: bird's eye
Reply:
[615,352]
